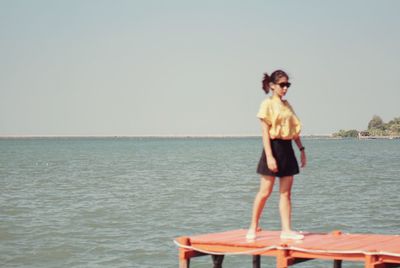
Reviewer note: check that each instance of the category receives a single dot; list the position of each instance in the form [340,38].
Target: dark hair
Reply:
[274,77]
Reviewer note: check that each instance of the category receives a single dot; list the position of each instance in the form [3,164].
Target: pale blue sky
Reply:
[193,67]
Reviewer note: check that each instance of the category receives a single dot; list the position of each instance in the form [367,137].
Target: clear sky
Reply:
[193,67]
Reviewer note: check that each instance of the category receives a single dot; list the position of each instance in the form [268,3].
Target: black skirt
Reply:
[285,158]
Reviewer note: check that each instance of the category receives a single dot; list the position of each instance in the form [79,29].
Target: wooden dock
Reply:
[376,251]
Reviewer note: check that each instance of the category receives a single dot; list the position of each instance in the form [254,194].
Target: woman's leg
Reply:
[285,204]
[266,186]
[285,208]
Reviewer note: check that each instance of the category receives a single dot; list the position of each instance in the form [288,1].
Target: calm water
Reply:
[119,202]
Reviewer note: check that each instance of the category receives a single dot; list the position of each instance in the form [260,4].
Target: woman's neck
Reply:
[274,95]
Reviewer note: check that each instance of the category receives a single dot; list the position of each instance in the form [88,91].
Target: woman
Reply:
[280,126]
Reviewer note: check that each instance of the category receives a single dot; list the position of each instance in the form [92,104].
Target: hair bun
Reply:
[265,83]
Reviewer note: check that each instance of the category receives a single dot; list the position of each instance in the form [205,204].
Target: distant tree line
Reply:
[376,127]
[353,133]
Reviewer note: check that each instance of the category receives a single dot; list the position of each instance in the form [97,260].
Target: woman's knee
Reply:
[264,194]
[266,186]
[286,195]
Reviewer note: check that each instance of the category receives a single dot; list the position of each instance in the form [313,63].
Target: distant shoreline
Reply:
[378,137]
[305,137]
[150,136]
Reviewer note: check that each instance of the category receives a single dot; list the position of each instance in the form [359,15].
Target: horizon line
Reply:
[153,136]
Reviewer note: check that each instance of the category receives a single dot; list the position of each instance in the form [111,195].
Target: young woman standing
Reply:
[280,126]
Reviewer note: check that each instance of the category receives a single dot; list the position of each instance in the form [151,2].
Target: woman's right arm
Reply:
[271,162]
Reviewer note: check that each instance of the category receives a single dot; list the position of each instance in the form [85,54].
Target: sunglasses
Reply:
[283,84]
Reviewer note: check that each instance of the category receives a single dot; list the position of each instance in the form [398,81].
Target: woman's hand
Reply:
[271,163]
[303,158]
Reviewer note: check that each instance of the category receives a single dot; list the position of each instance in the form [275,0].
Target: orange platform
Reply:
[376,251]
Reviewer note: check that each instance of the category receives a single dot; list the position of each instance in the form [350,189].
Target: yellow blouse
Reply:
[280,117]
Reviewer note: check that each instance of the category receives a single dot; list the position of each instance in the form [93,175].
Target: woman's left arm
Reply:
[303,157]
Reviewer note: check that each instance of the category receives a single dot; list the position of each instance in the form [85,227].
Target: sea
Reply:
[121,201]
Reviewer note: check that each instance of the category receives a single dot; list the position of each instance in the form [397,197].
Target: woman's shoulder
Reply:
[267,100]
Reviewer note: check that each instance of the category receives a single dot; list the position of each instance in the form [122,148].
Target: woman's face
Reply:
[281,87]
